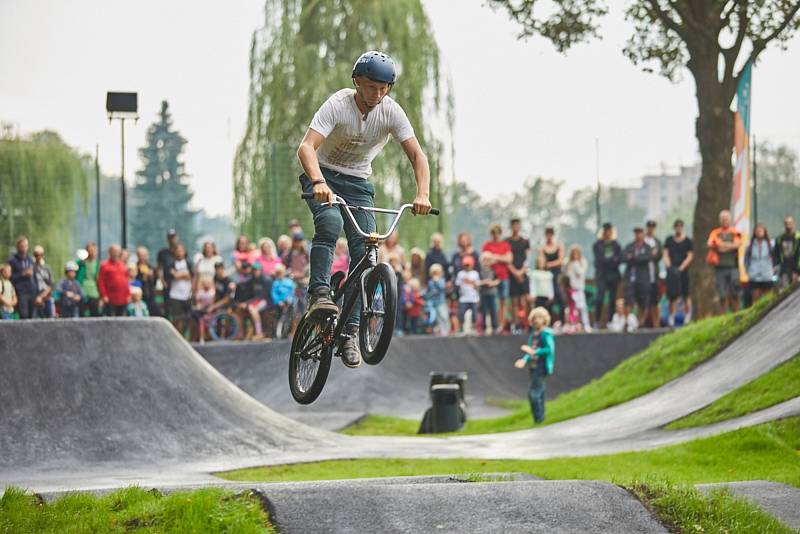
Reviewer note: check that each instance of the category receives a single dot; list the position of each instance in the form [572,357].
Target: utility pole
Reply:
[97,196]
[755,182]
[597,171]
[121,106]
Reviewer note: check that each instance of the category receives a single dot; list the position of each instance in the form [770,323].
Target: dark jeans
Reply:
[536,392]
[489,309]
[25,305]
[609,286]
[116,311]
[462,311]
[46,311]
[93,305]
[328,224]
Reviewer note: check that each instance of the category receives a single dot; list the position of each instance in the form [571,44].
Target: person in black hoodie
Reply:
[638,256]
[607,258]
[22,277]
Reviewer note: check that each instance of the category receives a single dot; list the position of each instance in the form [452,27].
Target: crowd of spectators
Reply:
[485,290]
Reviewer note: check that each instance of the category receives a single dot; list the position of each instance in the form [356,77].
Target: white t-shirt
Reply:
[180,289]
[204,267]
[468,293]
[351,143]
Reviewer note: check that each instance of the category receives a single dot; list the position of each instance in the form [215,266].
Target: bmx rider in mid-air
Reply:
[345,135]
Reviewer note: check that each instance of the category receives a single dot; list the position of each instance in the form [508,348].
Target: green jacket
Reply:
[546,349]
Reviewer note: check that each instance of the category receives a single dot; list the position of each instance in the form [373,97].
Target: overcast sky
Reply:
[521,108]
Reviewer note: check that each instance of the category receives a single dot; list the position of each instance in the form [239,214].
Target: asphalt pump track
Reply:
[91,404]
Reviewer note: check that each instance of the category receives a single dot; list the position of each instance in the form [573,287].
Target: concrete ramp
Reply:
[124,391]
[531,507]
[399,385]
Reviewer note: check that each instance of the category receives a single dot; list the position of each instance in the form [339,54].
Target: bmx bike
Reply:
[316,337]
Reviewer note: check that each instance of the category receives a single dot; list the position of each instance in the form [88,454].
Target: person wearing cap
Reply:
[607,259]
[348,131]
[70,292]
[22,277]
[165,257]
[678,255]
[638,256]
[468,282]
[650,238]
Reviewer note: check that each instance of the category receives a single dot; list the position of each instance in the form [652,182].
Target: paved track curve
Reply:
[399,385]
[105,403]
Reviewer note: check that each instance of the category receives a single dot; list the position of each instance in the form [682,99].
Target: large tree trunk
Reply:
[714,128]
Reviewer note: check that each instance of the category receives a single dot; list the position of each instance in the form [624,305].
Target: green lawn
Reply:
[667,358]
[687,510]
[765,452]
[774,387]
[134,510]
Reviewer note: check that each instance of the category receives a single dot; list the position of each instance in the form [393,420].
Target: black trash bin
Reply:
[446,409]
[450,377]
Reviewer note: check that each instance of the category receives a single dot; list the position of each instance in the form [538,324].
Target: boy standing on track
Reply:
[540,353]
[346,134]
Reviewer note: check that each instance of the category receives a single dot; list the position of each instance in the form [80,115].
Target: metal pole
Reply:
[597,170]
[274,193]
[97,197]
[122,185]
[755,182]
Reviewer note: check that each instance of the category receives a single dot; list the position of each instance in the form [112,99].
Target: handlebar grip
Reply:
[307,196]
[435,211]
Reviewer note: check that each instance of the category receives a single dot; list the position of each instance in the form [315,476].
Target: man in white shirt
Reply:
[348,131]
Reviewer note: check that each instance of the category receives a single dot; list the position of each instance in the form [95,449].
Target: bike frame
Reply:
[367,263]
[364,266]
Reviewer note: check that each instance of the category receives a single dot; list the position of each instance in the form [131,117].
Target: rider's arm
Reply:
[422,173]
[307,154]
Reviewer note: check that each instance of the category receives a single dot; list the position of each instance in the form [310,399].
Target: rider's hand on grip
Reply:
[422,205]
[322,193]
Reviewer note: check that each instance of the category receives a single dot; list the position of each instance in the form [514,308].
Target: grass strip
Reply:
[685,509]
[665,359]
[778,385]
[134,510]
[763,452]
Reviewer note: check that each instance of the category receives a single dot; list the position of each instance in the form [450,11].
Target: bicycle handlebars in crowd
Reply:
[348,209]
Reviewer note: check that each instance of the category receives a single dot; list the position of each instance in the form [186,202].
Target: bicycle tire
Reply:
[307,393]
[216,320]
[381,289]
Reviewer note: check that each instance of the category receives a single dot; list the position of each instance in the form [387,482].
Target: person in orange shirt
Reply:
[723,254]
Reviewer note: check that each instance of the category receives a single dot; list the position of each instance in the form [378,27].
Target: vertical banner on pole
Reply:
[740,200]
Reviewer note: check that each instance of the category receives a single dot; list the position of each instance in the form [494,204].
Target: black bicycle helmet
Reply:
[376,66]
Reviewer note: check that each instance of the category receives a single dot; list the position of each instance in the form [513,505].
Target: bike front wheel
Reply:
[378,315]
[309,361]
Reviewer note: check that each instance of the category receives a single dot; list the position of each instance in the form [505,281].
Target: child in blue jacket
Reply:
[539,358]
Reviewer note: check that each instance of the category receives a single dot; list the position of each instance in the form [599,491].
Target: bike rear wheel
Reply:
[378,315]
[309,361]
[223,326]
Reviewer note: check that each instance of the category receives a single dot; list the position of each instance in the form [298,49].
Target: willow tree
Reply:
[303,54]
[40,176]
[713,40]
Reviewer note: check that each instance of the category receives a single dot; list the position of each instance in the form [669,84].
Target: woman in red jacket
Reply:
[112,282]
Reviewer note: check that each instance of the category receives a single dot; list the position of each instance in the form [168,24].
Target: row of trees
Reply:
[47,187]
[304,53]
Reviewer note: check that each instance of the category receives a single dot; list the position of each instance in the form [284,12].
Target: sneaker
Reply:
[320,303]
[348,350]
[632,323]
